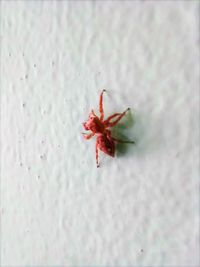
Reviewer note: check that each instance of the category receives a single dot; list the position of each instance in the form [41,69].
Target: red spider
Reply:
[97,125]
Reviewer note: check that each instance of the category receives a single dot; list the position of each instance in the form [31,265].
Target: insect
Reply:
[101,127]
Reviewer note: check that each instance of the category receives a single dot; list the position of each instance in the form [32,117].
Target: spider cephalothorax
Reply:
[100,127]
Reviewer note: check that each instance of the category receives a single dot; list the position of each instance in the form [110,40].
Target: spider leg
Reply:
[108,132]
[119,117]
[93,113]
[123,141]
[97,155]
[112,117]
[101,105]
[87,136]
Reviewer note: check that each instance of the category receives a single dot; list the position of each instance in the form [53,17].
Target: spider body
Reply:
[100,127]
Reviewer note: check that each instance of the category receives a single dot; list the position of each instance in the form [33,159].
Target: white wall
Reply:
[139,209]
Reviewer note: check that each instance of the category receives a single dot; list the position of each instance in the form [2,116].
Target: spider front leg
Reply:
[101,105]
[119,116]
[87,136]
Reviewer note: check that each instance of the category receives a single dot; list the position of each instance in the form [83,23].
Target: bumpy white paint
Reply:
[139,209]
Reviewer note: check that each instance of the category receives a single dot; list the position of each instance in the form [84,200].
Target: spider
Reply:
[101,127]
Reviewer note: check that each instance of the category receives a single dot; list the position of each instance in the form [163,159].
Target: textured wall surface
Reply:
[139,209]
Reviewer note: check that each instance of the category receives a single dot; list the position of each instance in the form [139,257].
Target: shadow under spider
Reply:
[119,132]
[148,134]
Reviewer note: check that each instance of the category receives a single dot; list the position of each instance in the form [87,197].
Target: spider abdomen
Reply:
[106,144]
